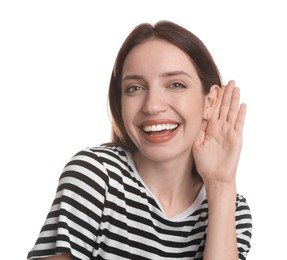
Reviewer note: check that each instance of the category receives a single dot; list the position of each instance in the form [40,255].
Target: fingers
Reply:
[222,108]
[227,95]
[229,108]
[239,124]
[233,105]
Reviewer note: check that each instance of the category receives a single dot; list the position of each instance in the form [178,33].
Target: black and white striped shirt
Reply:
[103,210]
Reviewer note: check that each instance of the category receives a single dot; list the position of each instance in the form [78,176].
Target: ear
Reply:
[210,101]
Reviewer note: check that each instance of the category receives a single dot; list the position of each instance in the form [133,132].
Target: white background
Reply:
[56,58]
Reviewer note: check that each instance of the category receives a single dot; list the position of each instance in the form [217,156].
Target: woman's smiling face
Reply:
[162,100]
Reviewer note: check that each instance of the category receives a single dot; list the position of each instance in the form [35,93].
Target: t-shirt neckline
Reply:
[179,217]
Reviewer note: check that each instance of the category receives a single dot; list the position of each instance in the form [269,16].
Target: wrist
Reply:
[220,191]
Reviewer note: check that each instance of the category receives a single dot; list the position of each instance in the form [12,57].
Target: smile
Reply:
[159,131]
[159,127]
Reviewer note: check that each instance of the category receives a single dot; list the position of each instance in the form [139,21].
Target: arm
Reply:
[221,235]
[216,153]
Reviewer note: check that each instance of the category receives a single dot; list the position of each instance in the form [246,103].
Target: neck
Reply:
[171,182]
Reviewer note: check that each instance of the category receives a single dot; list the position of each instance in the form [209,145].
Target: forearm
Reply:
[221,234]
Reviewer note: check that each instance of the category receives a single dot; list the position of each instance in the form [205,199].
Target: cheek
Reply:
[128,112]
[192,111]
[191,107]
[125,114]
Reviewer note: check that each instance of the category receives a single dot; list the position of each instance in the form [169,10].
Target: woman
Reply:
[165,187]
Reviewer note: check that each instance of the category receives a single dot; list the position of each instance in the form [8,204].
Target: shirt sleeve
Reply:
[243,227]
[72,225]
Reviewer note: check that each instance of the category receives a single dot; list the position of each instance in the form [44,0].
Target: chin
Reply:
[162,153]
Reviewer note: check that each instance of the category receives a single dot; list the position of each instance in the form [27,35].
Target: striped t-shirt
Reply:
[103,210]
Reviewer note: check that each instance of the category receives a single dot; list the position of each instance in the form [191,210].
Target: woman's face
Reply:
[162,100]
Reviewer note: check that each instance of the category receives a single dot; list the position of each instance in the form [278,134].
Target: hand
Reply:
[217,148]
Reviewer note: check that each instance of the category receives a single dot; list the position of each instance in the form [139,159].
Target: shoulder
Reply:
[88,173]
[97,162]
[243,214]
[242,205]
[243,226]
[243,220]
[107,155]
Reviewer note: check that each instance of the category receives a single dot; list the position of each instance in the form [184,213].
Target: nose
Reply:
[154,102]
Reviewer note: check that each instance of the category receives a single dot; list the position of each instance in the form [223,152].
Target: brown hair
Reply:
[175,34]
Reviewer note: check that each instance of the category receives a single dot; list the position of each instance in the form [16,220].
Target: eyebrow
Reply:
[164,75]
[175,73]
[133,76]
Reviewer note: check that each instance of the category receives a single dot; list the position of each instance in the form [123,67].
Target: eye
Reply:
[134,88]
[177,85]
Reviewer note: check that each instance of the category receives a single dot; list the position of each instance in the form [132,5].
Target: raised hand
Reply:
[217,148]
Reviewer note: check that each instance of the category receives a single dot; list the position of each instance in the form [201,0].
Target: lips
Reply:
[159,131]
[160,127]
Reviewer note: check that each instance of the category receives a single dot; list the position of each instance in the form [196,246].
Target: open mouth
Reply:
[160,129]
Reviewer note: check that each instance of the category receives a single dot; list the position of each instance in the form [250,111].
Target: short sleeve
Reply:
[72,225]
[243,227]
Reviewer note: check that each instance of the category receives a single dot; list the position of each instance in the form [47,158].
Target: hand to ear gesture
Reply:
[217,148]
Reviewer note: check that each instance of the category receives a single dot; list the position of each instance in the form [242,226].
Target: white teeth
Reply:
[161,127]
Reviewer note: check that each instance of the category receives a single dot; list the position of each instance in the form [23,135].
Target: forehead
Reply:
[158,56]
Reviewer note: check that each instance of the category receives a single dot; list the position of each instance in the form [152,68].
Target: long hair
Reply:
[172,33]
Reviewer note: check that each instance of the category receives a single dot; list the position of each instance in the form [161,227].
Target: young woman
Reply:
[164,188]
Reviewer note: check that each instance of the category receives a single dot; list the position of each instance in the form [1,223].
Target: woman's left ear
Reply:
[211,100]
